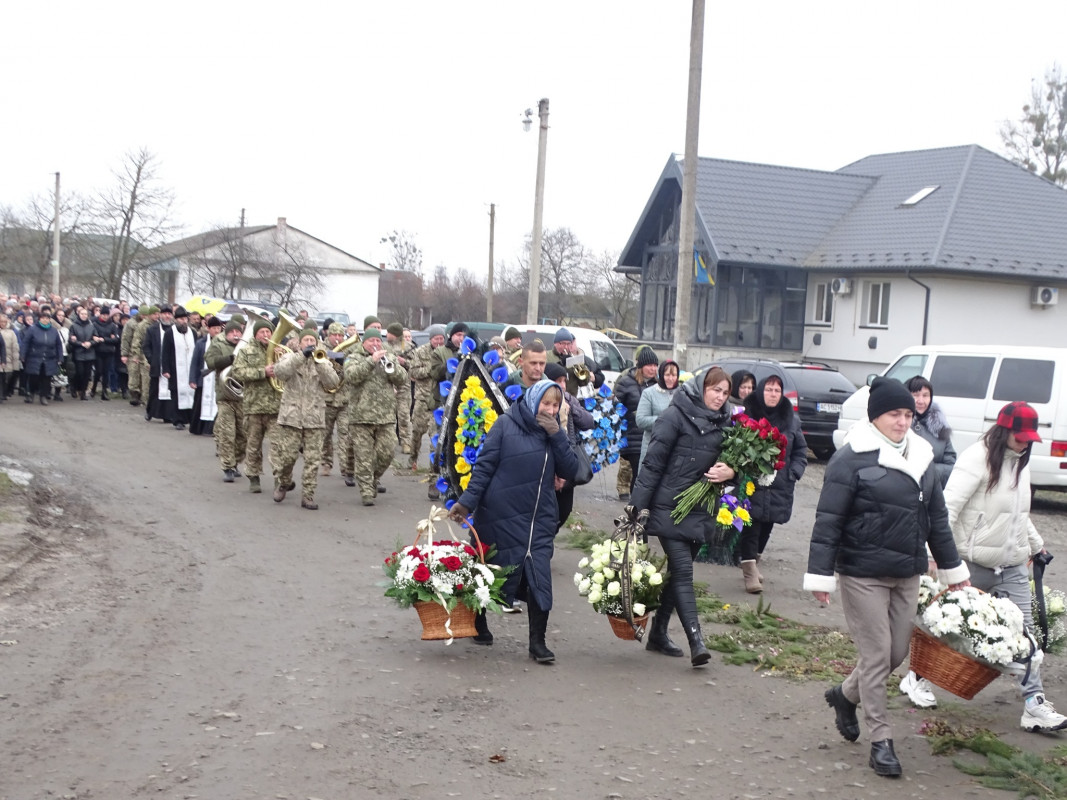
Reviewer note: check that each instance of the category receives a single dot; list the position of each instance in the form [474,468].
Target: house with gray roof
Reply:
[946,246]
[277,264]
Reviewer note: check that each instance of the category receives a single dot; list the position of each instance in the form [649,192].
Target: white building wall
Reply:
[963,310]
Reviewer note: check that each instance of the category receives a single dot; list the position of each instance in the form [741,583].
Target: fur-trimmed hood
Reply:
[863,437]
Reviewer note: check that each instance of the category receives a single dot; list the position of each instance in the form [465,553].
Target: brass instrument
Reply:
[387,364]
[233,384]
[286,325]
[321,354]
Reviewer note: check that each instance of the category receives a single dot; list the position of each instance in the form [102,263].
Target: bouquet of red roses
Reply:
[755,451]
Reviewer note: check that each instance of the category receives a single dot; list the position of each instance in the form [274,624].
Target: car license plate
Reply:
[828,408]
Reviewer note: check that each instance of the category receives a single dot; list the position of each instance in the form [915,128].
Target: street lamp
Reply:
[539,197]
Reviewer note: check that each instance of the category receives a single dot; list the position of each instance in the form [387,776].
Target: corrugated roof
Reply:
[987,216]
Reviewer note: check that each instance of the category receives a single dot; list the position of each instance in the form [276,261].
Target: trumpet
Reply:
[387,364]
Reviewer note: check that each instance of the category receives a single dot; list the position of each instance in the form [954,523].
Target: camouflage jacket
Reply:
[249,369]
[371,392]
[137,337]
[338,399]
[218,356]
[303,403]
[127,336]
[422,363]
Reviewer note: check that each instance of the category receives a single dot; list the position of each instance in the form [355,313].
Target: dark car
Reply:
[815,390]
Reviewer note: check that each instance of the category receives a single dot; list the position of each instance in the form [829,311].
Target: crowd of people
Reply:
[897,501]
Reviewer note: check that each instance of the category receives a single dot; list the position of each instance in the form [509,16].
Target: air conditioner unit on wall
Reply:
[1044,296]
[841,286]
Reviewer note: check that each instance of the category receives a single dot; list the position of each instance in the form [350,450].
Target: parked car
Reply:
[815,390]
[973,382]
[336,316]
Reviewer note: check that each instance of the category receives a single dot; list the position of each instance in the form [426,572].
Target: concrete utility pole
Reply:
[489,286]
[689,185]
[539,201]
[55,244]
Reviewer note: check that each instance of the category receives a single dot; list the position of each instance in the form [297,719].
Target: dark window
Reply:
[962,376]
[1024,379]
[760,308]
[820,380]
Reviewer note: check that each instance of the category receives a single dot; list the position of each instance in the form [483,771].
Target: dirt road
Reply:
[165,634]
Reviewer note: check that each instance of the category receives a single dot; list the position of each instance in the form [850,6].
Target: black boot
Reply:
[686,600]
[104,395]
[658,640]
[538,626]
[57,395]
[481,624]
[883,760]
[848,725]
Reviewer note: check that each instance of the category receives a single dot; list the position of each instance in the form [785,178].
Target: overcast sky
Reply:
[354,120]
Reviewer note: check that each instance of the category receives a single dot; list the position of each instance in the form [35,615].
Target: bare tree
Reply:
[619,292]
[1037,140]
[27,244]
[297,276]
[406,254]
[135,214]
[562,270]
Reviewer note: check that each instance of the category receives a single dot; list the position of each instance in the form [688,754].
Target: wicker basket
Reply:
[623,629]
[948,668]
[434,617]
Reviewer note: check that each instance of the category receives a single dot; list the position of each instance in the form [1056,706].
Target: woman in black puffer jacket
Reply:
[772,504]
[881,505]
[82,351]
[684,449]
[930,423]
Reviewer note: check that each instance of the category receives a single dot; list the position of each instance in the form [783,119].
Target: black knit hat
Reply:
[554,371]
[512,333]
[887,395]
[646,357]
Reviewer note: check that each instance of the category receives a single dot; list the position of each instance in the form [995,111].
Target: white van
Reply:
[973,382]
[592,343]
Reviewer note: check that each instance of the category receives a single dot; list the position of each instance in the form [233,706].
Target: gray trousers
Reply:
[880,613]
[1014,582]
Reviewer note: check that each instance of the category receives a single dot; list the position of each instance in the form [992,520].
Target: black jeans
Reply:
[680,555]
[83,370]
[39,384]
[754,539]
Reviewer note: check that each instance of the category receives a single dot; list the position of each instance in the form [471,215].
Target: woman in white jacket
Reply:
[988,499]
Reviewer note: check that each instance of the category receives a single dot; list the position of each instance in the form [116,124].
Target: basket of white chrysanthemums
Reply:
[964,638]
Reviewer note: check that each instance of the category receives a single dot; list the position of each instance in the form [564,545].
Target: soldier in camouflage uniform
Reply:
[259,400]
[139,374]
[337,409]
[372,412]
[427,396]
[132,367]
[230,420]
[401,352]
[301,417]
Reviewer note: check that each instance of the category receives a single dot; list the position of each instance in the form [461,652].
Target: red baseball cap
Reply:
[1020,419]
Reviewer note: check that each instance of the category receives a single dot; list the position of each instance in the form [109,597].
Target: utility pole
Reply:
[489,287]
[539,201]
[689,184]
[55,244]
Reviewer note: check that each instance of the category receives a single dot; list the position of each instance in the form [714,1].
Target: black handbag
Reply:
[585,467]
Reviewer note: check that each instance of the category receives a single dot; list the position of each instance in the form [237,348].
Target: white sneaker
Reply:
[1039,715]
[918,690]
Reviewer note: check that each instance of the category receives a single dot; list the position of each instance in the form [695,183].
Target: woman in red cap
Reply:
[988,499]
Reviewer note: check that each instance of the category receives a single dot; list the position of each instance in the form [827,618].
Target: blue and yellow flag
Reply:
[700,269]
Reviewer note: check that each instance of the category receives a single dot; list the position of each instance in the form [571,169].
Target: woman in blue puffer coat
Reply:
[512,493]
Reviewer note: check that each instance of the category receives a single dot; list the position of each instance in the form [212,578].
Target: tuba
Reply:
[233,384]
[286,325]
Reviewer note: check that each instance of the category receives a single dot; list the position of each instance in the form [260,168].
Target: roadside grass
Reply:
[581,535]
